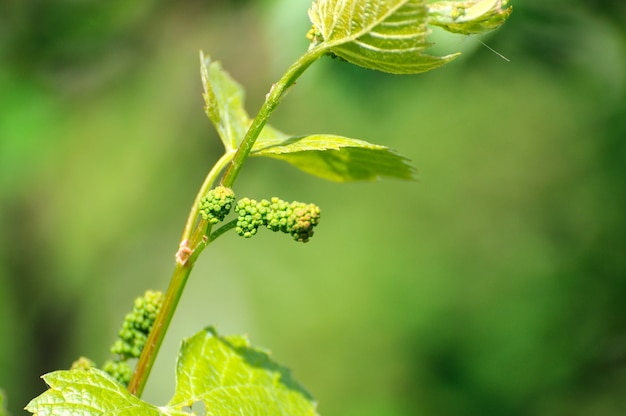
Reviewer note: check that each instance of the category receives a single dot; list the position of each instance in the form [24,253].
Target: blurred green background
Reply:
[494,286]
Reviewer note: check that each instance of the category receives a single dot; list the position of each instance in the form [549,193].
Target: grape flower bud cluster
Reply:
[133,335]
[295,218]
[217,204]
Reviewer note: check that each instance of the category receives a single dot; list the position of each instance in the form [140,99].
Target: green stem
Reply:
[157,334]
[273,98]
[226,227]
[195,239]
[206,185]
[192,243]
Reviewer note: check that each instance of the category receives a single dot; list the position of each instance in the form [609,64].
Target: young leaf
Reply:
[469,17]
[330,157]
[388,36]
[88,392]
[232,378]
[223,98]
[335,158]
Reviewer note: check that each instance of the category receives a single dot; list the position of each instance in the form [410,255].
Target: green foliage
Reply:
[88,392]
[295,218]
[217,204]
[225,373]
[387,36]
[223,103]
[469,17]
[524,155]
[331,157]
[336,158]
[231,377]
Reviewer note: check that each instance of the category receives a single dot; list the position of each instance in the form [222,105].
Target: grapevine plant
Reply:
[226,373]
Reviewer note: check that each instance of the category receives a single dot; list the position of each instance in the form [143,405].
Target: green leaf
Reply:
[335,158]
[225,373]
[88,392]
[232,378]
[223,98]
[330,157]
[469,17]
[388,36]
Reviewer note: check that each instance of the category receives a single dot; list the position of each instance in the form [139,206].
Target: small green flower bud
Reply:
[217,204]
[295,218]
[303,217]
[250,217]
[278,217]
[119,370]
[82,363]
[137,325]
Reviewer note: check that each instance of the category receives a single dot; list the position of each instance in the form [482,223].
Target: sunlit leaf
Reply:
[223,98]
[386,35]
[335,158]
[89,392]
[225,373]
[330,157]
[232,378]
[469,17]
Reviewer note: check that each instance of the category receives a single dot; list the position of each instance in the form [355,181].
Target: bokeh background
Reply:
[493,286]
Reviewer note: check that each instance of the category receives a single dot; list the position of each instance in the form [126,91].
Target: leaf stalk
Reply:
[273,98]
